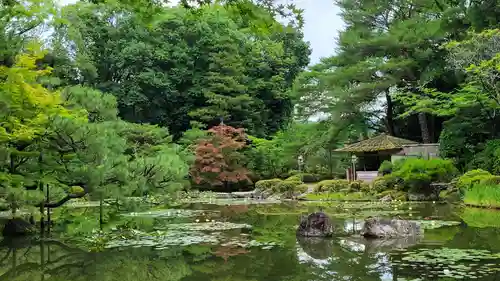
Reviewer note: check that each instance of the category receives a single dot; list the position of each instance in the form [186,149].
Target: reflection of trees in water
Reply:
[316,247]
[28,259]
[23,257]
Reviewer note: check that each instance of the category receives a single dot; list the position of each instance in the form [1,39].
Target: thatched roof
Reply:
[378,143]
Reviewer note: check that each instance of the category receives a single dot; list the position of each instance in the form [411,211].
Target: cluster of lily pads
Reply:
[162,239]
[434,224]
[171,213]
[452,263]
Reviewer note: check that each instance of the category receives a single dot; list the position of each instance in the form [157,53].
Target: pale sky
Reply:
[322,24]
[321,27]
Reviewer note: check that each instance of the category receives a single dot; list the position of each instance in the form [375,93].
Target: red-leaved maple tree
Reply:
[218,157]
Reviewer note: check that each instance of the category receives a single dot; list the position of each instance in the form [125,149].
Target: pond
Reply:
[241,241]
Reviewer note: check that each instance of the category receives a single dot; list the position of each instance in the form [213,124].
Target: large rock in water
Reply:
[315,225]
[390,228]
[17,227]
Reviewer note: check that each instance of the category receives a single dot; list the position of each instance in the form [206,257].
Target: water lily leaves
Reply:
[170,213]
[208,226]
[433,224]
[452,263]
[230,201]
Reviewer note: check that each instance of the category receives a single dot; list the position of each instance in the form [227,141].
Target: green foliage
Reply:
[278,157]
[75,139]
[307,177]
[358,186]
[170,66]
[483,195]
[293,178]
[385,167]
[489,158]
[267,184]
[288,186]
[418,174]
[332,185]
[472,177]
[387,182]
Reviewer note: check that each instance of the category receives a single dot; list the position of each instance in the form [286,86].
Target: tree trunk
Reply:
[389,115]
[330,162]
[424,128]
[101,210]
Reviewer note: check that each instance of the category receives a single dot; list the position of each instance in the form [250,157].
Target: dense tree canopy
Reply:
[186,66]
[113,97]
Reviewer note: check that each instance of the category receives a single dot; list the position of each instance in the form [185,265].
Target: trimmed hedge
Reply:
[305,177]
[267,184]
[287,185]
[472,177]
[331,185]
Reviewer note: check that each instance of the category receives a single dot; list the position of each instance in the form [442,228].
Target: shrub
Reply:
[293,178]
[358,186]
[305,177]
[385,168]
[418,174]
[287,186]
[301,188]
[492,180]
[331,185]
[472,177]
[267,184]
[489,158]
[387,182]
[309,178]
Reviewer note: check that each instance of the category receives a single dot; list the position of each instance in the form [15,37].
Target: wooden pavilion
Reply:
[372,152]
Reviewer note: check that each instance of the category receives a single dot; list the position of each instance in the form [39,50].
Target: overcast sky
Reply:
[322,24]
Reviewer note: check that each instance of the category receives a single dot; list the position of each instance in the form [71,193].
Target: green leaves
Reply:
[186,65]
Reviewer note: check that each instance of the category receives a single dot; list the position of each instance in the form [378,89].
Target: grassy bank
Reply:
[481,195]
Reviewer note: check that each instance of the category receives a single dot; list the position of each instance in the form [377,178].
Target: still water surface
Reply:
[69,255]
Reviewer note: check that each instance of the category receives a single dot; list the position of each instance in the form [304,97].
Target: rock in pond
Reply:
[17,227]
[315,225]
[386,198]
[390,228]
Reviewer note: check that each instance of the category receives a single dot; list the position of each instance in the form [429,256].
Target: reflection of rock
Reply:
[379,245]
[316,247]
[390,228]
[17,227]
[315,225]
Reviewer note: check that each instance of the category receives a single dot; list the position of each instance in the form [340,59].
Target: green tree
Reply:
[185,66]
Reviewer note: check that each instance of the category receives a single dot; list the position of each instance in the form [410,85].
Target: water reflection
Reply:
[344,257]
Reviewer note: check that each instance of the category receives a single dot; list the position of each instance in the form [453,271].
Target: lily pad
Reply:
[433,224]
[84,204]
[228,202]
[208,226]
[170,213]
[453,263]
[164,239]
